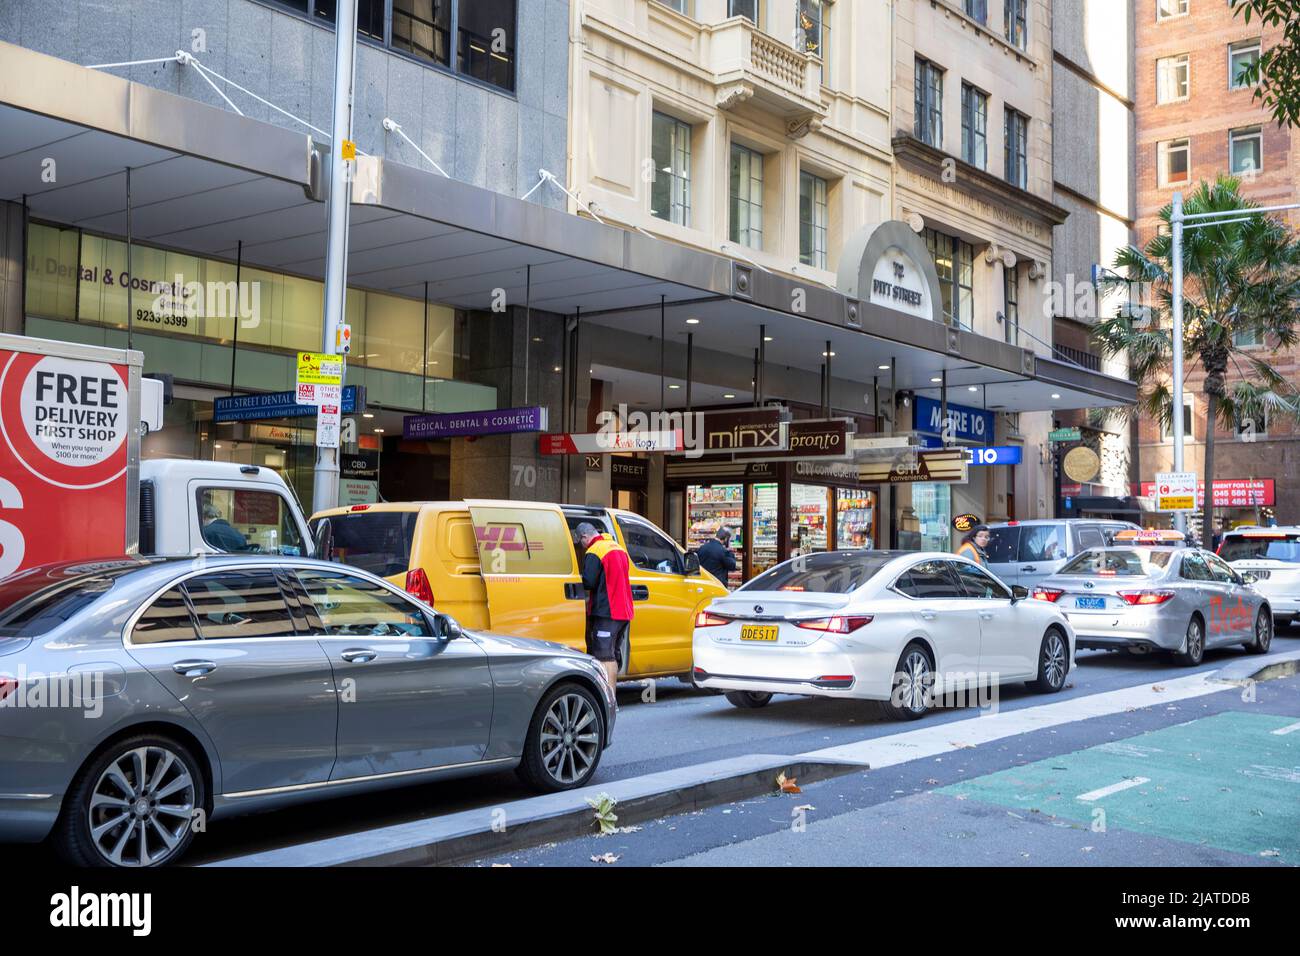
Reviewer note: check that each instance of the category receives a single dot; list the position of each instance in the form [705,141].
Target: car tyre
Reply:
[748,699]
[1263,633]
[565,740]
[1194,644]
[146,784]
[1053,663]
[911,691]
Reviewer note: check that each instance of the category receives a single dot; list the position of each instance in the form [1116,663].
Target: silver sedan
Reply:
[139,699]
[1144,599]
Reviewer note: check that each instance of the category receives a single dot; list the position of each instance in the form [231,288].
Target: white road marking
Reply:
[987,727]
[1289,729]
[1092,795]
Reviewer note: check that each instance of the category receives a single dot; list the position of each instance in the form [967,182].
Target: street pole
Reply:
[325,493]
[1176,254]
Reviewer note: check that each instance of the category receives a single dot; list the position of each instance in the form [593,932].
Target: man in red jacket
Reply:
[609,596]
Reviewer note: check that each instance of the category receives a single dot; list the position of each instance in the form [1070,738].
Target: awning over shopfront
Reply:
[204,179]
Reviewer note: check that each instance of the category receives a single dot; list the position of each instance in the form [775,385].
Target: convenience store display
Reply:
[766,521]
[708,508]
[856,518]
[808,513]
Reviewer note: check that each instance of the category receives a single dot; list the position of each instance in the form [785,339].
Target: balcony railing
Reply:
[1088,360]
[749,65]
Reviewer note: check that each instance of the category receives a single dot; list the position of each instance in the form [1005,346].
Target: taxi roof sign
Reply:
[1150,536]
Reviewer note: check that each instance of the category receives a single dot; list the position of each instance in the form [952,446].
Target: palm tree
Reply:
[1239,279]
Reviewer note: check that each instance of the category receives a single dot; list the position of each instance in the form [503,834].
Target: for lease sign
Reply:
[63,458]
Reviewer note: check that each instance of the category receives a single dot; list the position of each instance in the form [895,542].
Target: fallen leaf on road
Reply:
[931,782]
[1269,853]
[1158,688]
[960,746]
[1086,849]
[805,806]
[605,858]
[787,784]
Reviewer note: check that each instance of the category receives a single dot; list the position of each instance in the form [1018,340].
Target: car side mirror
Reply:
[1248,578]
[325,539]
[449,628]
[692,561]
[1019,593]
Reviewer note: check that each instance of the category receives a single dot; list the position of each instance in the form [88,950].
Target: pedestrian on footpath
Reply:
[716,556]
[972,546]
[609,596]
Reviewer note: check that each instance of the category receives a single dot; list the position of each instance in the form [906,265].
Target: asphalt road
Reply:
[681,727]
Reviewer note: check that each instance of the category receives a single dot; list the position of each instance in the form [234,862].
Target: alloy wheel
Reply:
[570,738]
[1263,632]
[1194,639]
[1054,659]
[141,806]
[914,681]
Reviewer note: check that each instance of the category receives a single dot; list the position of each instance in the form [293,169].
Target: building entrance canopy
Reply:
[204,180]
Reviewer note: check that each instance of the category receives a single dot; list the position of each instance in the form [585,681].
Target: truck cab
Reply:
[217,507]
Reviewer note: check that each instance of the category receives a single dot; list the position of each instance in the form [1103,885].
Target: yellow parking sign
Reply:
[320,368]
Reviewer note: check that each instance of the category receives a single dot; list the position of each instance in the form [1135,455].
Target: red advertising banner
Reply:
[1230,492]
[63,458]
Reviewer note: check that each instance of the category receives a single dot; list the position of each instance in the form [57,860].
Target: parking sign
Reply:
[1176,491]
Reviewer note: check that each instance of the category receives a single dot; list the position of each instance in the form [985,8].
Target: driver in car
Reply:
[219,533]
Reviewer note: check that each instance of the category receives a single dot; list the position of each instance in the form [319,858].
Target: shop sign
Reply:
[896,283]
[1064,434]
[359,465]
[1230,492]
[745,431]
[595,463]
[1081,464]
[353,491]
[995,455]
[963,523]
[964,423]
[841,472]
[940,466]
[818,438]
[496,421]
[1176,491]
[243,408]
[629,471]
[605,442]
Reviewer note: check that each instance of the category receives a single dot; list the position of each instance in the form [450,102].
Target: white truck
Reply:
[73,487]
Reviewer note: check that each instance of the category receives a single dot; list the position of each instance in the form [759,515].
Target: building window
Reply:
[681,6]
[1015,140]
[1173,78]
[1246,150]
[749,9]
[974,126]
[929,103]
[1011,297]
[1248,338]
[1189,418]
[1013,12]
[1241,57]
[813,220]
[670,148]
[1174,162]
[484,32]
[746,196]
[814,22]
[1170,8]
[978,10]
[954,260]
[1250,427]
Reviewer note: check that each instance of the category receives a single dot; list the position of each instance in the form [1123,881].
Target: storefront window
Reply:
[710,507]
[855,516]
[932,503]
[765,521]
[809,508]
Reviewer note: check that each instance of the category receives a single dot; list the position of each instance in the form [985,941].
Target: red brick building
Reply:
[1196,122]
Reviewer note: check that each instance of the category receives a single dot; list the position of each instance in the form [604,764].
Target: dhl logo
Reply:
[1229,617]
[504,537]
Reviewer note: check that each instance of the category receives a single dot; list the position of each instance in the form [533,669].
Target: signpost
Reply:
[1176,491]
[1065,434]
[320,383]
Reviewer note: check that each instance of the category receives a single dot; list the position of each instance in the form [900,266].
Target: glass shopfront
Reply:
[765,526]
[710,507]
[855,518]
[809,516]
[932,502]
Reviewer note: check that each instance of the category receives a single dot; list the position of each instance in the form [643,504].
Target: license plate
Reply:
[757,632]
[1091,603]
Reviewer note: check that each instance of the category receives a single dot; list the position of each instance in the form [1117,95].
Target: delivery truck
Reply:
[73,486]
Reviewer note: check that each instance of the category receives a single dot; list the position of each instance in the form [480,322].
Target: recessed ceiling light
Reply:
[379,431]
[767,338]
[828,354]
[217,445]
[537,338]
[937,379]
[883,368]
[972,388]
[367,414]
[729,395]
[674,386]
[692,321]
[1056,395]
[557,369]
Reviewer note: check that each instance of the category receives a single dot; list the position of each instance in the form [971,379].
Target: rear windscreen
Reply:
[1281,548]
[826,573]
[375,541]
[1137,562]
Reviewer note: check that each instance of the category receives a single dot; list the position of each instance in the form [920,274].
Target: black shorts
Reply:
[604,636]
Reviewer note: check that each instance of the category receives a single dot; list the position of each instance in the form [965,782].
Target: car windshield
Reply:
[835,572]
[1121,562]
[1280,547]
[374,541]
[35,602]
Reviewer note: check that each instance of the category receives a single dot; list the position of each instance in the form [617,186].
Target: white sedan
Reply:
[901,627]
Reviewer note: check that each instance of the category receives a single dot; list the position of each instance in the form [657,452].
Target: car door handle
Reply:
[359,655]
[640,592]
[927,615]
[194,668]
[1030,568]
[986,615]
[574,591]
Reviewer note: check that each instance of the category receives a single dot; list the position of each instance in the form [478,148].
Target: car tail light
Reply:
[7,686]
[1047,594]
[1137,598]
[835,625]
[417,584]
[360,508]
[705,619]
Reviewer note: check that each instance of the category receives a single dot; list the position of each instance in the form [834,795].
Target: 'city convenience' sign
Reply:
[497,421]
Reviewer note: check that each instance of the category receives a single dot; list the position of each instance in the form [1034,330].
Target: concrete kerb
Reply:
[490,830]
[1273,667]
